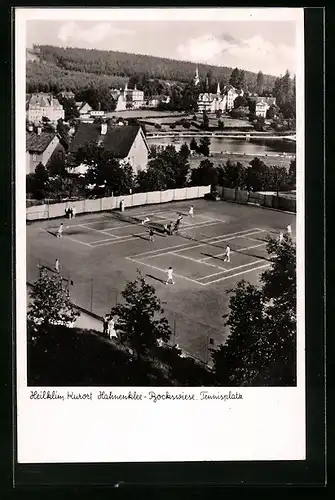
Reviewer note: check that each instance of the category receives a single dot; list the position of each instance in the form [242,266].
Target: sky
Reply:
[268,46]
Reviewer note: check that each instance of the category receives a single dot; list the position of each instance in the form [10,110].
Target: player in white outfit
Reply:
[60,231]
[145,220]
[191,211]
[227,254]
[289,230]
[281,237]
[170,276]
[57,266]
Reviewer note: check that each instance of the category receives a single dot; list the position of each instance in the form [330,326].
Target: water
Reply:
[232,145]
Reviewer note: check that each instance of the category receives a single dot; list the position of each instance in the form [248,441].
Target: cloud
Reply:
[73,32]
[252,54]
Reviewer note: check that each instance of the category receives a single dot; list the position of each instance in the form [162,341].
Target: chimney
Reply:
[103,128]
[39,130]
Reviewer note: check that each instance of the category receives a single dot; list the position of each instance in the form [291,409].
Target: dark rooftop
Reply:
[118,139]
[38,143]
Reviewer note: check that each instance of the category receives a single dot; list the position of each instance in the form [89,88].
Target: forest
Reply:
[120,66]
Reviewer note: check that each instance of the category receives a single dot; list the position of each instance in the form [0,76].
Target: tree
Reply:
[50,303]
[239,113]
[204,146]
[40,182]
[240,101]
[260,83]
[105,170]
[234,78]
[71,111]
[139,320]
[57,164]
[261,347]
[220,124]
[271,112]
[241,79]
[280,178]
[184,151]
[258,176]
[232,175]
[205,121]
[205,174]
[193,144]
[292,173]
[152,179]
[260,122]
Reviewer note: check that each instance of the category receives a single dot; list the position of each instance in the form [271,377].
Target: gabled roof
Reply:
[118,139]
[268,100]
[38,143]
[43,100]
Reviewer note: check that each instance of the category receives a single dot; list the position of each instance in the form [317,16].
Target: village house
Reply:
[127,143]
[154,101]
[43,105]
[66,94]
[221,101]
[128,98]
[39,147]
[263,104]
[84,110]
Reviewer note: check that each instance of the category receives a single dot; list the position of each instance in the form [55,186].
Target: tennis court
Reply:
[99,253]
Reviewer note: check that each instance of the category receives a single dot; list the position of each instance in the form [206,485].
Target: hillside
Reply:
[44,77]
[121,64]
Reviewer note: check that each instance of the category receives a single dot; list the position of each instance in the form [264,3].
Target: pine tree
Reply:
[139,320]
[261,347]
[234,78]
[50,303]
[260,83]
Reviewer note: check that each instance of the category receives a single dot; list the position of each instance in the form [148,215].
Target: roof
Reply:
[82,105]
[268,100]
[43,100]
[38,143]
[118,140]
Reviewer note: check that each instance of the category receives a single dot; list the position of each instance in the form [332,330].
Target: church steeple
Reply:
[196,79]
[125,89]
[218,91]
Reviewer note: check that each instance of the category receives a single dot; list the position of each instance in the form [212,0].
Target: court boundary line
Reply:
[233,269]
[236,274]
[125,238]
[210,239]
[234,251]
[206,242]
[195,260]
[164,271]
[96,230]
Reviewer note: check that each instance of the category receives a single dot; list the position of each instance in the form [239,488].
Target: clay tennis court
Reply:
[99,253]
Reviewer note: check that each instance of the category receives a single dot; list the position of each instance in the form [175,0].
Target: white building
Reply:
[128,99]
[43,105]
[263,104]
[223,101]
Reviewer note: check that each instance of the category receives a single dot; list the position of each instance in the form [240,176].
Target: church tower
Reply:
[196,79]
[218,91]
[125,89]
